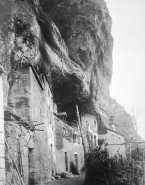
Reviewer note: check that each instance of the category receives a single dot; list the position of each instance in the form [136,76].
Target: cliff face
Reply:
[70,43]
[86,29]
[123,120]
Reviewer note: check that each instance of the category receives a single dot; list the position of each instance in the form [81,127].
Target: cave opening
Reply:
[68,91]
[70,109]
[65,95]
[66,99]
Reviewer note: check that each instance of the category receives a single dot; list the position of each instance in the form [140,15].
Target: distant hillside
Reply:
[123,120]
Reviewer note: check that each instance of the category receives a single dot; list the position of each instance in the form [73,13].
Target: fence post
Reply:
[132,172]
[130,165]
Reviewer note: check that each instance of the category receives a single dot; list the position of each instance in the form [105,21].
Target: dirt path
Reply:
[72,181]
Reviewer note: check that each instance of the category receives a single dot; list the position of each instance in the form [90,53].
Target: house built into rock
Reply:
[39,139]
[59,55]
[27,122]
[41,143]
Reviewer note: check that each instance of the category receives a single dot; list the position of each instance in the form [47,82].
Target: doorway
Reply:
[66,161]
[76,161]
[31,166]
[52,162]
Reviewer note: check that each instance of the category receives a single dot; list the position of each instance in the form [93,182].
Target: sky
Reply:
[128,80]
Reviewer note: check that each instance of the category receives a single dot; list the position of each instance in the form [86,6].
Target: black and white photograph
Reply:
[72,92]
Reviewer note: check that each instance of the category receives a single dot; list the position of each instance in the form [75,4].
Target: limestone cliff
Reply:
[86,29]
[123,121]
[70,43]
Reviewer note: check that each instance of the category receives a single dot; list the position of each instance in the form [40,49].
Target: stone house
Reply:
[40,142]
[69,151]
[28,127]
[90,131]
[112,139]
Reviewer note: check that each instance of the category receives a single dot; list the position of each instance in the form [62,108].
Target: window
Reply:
[95,123]
[79,139]
[87,125]
[74,138]
[91,139]
[95,140]
[120,140]
[115,138]
[64,130]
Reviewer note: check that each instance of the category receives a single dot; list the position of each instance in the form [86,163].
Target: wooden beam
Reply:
[80,127]
[17,169]
[132,172]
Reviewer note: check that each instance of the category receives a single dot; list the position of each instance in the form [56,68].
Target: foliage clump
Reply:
[102,170]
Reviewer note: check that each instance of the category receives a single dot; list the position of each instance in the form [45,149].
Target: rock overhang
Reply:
[72,46]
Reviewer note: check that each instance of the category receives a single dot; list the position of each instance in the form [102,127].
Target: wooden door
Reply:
[76,161]
[31,161]
[66,162]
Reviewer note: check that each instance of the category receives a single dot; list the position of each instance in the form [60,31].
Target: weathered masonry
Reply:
[42,145]
[69,149]
[27,121]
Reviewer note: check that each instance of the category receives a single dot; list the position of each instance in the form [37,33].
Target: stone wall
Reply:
[2,146]
[40,103]
[18,137]
[30,98]
[20,142]
[68,149]
[19,91]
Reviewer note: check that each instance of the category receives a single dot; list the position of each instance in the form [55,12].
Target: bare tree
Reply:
[135,117]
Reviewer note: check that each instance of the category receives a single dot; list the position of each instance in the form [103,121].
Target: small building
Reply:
[110,138]
[90,131]
[69,151]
